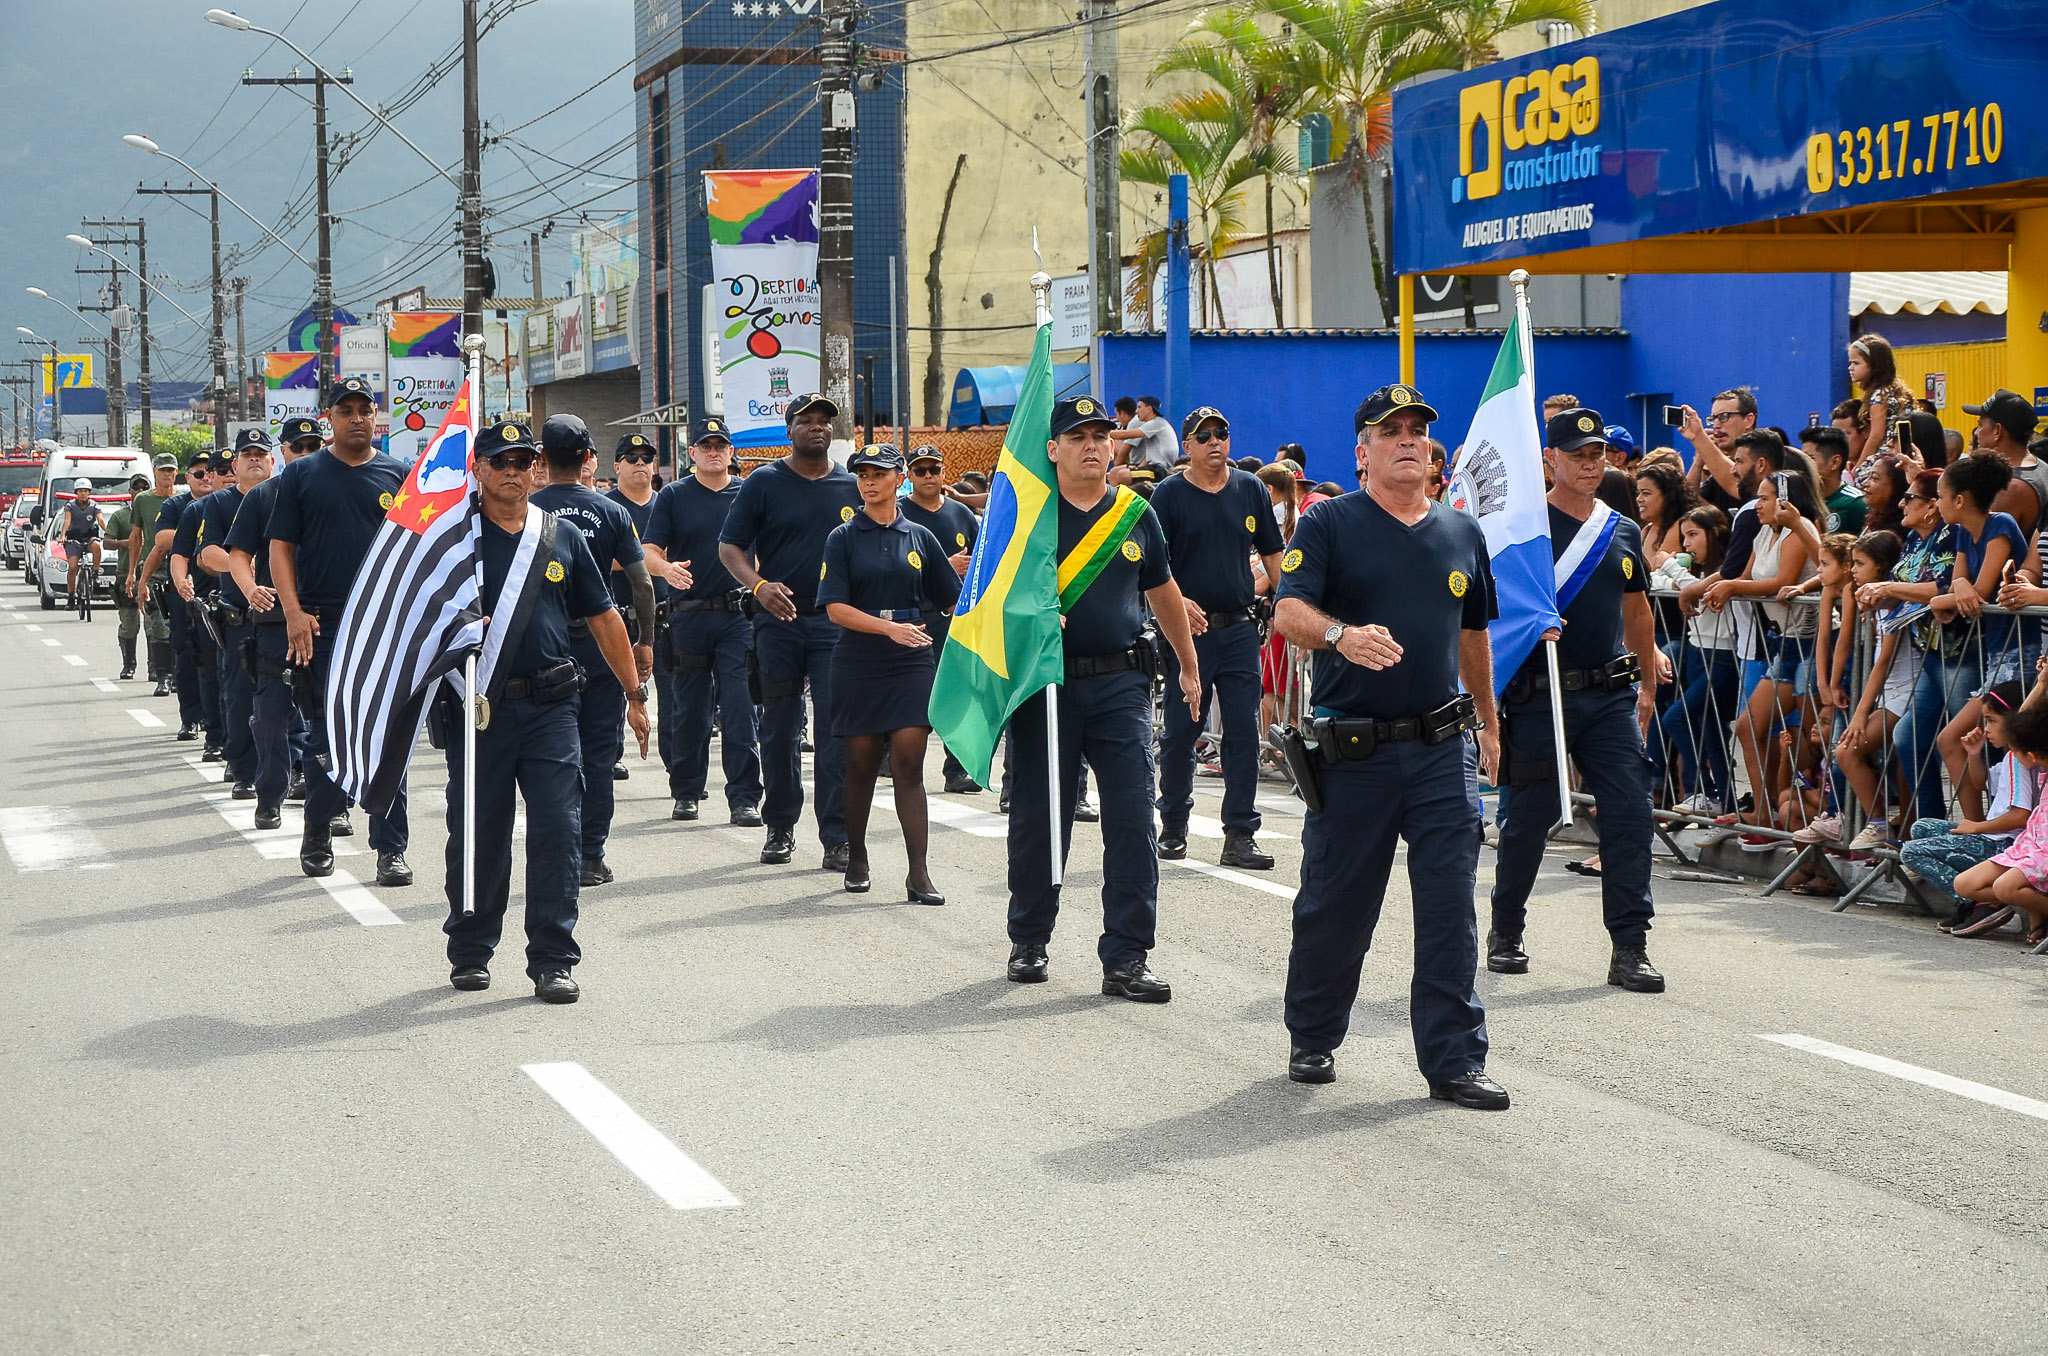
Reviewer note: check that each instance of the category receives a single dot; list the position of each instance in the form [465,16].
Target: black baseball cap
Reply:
[504,436]
[223,460]
[2009,410]
[711,426]
[1569,430]
[1383,402]
[251,437]
[565,433]
[296,428]
[1194,421]
[926,452]
[804,404]
[886,456]
[344,387]
[1075,411]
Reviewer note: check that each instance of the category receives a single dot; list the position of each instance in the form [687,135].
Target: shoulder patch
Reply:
[1628,567]
[822,567]
[1132,551]
[555,572]
[1460,581]
[1251,523]
[960,539]
[846,513]
[916,561]
[384,501]
[1291,561]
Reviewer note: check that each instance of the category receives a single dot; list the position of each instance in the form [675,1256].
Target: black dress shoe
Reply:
[392,869]
[1085,811]
[1312,1066]
[960,784]
[470,978]
[595,872]
[1474,1090]
[1631,969]
[1027,963]
[917,896]
[227,776]
[746,816]
[341,826]
[269,818]
[683,809]
[296,791]
[127,672]
[555,986]
[619,772]
[1003,803]
[1134,980]
[779,848]
[1504,955]
[163,688]
[1173,842]
[1241,849]
[243,791]
[212,754]
[837,857]
[187,733]
[316,853]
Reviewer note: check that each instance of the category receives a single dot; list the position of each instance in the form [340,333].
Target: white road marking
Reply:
[362,906]
[1913,1073]
[50,838]
[647,1153]
[980,823]
[107,685]
[1236,877]
[52,641]
[74,661]
[148,720]
[278,844]
[31,627]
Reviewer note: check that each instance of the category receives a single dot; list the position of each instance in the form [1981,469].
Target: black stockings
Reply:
[905,750]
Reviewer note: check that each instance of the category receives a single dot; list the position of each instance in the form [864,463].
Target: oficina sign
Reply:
[1737,112]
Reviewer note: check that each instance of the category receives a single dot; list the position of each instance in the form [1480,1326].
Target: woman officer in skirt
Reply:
[882,575]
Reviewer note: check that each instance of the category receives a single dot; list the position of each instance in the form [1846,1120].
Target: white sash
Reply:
[1583,555]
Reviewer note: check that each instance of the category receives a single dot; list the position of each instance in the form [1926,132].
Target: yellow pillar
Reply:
[1407,284]
[2026,307]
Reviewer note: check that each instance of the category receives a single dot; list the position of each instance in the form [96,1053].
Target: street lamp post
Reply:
[56,384]
[112,340]
[141,274]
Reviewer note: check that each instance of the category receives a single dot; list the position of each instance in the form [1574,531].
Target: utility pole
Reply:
[117,387]
[472,182]
[220,347]
[323,285]
[533,243]
[835,208]
[15,386]
[241,286]
[141,243]
[1105,179]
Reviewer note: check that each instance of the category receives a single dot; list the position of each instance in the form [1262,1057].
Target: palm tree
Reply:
[1461,34]
[1259,81]
[1201,136]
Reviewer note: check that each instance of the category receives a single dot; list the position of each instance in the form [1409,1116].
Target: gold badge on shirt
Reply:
[1291,562]
[1251,524]
[846,513]
[384,501]
[1460,581]
[1628,567]
[1133,552]
[555,572]
[916,561]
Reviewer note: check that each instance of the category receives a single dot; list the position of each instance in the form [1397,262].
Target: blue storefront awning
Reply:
[986,395]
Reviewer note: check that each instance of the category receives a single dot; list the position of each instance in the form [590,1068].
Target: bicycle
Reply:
[88,580]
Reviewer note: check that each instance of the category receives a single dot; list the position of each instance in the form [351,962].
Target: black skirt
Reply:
[879,686]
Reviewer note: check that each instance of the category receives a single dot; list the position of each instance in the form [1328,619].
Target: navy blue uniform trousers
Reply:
[273,722]
[324,800]
[786,653]
[535,749]
[237,696]
[1108,719]
[1601,735]
[1428,796]
[1229,662]
[198,685]
[710,657]
[601,725]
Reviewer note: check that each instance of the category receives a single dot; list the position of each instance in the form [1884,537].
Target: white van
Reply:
[109,470]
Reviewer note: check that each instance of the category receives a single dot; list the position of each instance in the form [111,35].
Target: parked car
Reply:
[14,533]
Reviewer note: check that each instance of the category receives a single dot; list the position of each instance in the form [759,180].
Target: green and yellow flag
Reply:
[1005,640]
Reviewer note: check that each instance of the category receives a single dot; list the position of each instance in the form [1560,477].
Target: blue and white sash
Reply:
[1583,556]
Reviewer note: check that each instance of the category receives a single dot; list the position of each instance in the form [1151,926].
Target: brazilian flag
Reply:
[1005,641]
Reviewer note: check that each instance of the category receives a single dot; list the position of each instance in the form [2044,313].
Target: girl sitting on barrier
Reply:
[2015,880]
[1942,849]
[1887,690]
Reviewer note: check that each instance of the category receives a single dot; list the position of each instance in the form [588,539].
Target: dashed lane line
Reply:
[50,838]
[31,627]
[74,661]
[107,685]
[1273,888]
[362,906]
[52,641]
[148,720]
[1913,1073]
[645,1151]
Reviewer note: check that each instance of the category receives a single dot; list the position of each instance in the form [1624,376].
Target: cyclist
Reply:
[81,530]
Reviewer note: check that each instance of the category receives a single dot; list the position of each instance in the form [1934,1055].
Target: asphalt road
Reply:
[245,1113]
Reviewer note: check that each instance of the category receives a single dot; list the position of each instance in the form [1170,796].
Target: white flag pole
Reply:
[471,701]
[1520,280]
[1041,295]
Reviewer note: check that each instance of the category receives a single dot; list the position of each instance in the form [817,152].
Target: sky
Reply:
[75,78]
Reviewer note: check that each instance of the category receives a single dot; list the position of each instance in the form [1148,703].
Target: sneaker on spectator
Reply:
[1984,918]
[1757,842]
[1699,803]
[1873,836]
[1826,829]
[1959,917]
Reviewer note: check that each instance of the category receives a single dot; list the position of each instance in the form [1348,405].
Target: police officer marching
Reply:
[710,637]
[1392,591]
[1111,546]
[121,531]
[237,688]
[144,509]
[773,544]
[608,530]
[633,463]
[528,737]
[197,671]
[957,529]
[1216,518]
[1609,632]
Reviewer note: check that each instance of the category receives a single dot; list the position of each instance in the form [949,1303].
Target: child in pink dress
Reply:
[2016,880]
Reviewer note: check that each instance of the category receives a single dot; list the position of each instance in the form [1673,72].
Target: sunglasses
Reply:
[927,468]
[1212,435]
[512,459]
[1925,498]
[634,458]
[307,445]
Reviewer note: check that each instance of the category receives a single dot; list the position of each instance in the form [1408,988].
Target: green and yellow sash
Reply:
[1079,566]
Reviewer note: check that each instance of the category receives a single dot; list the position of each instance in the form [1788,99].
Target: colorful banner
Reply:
[423,390]
[291,386]
[426,334]
[764,259]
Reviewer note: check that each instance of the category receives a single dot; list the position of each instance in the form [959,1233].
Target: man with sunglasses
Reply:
[709,636]
[956,527]
[185,669]
[1216,518]
[632,489]
[142,515]
[773,544]
[325,519]
[216,522]
[615,544]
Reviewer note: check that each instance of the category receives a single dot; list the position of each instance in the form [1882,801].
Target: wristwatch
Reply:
[638,694]
[1334,634]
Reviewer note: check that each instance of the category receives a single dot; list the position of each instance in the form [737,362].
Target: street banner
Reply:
[291,387]
[764,265]
[425,374]
[69,370]
[362,351]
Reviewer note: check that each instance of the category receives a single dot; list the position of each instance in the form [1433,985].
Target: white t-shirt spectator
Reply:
[1158,449]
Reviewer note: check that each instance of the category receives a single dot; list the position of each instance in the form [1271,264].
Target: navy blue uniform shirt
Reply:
[622,592]
[886,569]
[1426,584]
[217,514]
[685,524]
[604,525]
[1213,537]
[782,519]
[952,522]
[331,511]
[186,541]
[1593,633]
[171,514]
[1109,616]
[251,533]
[570,588]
